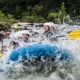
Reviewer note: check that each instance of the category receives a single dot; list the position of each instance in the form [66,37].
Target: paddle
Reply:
[1,55]
[74,34]
[1,37]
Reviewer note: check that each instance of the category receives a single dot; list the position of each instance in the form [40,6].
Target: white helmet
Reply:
[47,23]
[25,32]
[50,24]
[20,33]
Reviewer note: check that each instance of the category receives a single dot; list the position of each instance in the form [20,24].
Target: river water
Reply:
[47,70]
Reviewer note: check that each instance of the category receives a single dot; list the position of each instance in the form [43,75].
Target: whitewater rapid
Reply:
[47,70]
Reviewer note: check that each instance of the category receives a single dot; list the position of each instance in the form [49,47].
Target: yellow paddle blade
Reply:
[16,26]
[1,55]
[74,34]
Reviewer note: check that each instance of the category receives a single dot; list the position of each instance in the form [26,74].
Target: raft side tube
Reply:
[39,50]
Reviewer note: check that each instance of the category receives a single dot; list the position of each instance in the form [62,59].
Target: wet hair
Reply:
[48,28]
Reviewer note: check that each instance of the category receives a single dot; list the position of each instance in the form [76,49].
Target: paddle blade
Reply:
[74,34]
[1,55]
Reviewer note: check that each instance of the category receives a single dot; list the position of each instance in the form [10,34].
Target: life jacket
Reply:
[47,34]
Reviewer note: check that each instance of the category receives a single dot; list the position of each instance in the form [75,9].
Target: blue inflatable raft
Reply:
[39,50]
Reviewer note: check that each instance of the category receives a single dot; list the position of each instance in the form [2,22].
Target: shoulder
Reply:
[50,32]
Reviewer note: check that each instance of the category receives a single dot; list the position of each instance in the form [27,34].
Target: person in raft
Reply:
[25,39]
[49,32]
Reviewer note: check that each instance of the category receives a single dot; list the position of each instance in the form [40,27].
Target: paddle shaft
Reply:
[1,36]
[2,44]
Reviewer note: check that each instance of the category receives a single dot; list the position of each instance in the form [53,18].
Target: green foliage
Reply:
[52,16]
[62,12]
[5,26]
[38,10]
[9,18]
[33,19]
[63,7]
[2,17]
[17,12]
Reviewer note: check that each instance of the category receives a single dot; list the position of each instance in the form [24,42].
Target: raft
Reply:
[39,50]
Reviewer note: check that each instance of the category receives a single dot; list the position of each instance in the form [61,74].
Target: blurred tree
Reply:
[41,8]
[52,16]
[78,7]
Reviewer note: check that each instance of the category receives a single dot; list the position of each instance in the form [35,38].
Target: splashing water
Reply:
[46,70]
